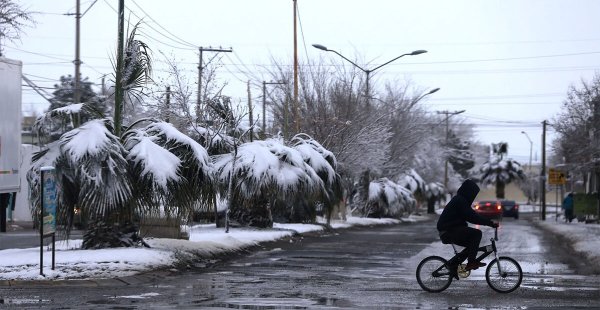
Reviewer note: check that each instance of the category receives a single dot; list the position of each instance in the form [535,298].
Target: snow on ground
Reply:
[584,238]
[206,241]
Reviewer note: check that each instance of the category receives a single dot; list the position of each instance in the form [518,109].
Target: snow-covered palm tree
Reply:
[150,170]
[387,198]
[434,192]
[500,172]
[115,180]
[263,174]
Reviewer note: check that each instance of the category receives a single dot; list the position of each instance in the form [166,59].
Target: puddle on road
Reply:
[280,303]
[140,296]
[23,301]
[559,288]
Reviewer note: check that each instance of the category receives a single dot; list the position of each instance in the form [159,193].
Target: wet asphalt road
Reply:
[357,268]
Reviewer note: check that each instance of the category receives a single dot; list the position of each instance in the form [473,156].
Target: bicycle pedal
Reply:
[462,272]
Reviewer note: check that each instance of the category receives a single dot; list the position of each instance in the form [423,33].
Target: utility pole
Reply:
[264,105]
[448,115]
[543,172]
[200,69]
[119,91]
[296,113]
[77,86]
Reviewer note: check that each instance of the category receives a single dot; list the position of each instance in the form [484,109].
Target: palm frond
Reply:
[93,157]
[268,167]
[137,67]
[316,156]
[168,168]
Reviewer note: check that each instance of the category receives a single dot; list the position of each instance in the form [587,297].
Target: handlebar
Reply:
[496,233]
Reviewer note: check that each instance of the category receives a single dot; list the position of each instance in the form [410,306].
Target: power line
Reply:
[501,59]
[187,47]
[499,97]
[184,42]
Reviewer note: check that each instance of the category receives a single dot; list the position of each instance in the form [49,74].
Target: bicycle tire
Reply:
[511,278]
[429,281]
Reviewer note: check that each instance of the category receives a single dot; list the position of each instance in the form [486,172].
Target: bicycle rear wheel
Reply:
[433,274]
[510,278]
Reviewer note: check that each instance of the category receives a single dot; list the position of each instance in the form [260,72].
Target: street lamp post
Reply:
[530,148]
[530,153]
[367,71]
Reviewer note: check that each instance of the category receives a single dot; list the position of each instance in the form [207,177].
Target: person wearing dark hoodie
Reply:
[453,224]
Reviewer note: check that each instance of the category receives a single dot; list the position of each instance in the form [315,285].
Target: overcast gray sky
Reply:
[508,63]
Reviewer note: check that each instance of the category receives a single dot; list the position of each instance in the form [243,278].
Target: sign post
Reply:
[49,192]
[557,178]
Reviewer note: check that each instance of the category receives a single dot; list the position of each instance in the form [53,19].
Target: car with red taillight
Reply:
[510,208]
[491,209]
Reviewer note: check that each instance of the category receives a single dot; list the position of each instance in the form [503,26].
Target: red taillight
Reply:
[487,204]
[498,207]
[516,206]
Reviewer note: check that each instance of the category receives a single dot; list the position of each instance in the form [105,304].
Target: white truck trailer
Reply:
[10,134]
[10,124]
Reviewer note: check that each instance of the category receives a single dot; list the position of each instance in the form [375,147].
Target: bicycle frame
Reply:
[486,249]
[435,273]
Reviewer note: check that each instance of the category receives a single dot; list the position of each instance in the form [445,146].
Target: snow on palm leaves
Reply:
[266,171]
[168,168]
[265,166]
[156,165]
[387,198]
[500,172]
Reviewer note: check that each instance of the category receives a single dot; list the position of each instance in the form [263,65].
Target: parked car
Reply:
[489,208]
[510,208]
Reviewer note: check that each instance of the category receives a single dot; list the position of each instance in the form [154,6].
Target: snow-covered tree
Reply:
[109,179]
[269,174]
[114,181]
[499,172]
[388,199]
[578,129]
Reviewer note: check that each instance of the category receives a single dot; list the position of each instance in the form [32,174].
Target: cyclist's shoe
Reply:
[474,265]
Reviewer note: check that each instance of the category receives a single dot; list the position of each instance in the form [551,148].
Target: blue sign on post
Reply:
[49,200]
[48,211]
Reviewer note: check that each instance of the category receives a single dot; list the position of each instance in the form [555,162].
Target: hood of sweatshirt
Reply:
[468,190]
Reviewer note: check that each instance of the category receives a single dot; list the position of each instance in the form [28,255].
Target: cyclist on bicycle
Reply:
[453,228]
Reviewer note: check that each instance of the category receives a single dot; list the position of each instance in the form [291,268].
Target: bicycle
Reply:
[503,274]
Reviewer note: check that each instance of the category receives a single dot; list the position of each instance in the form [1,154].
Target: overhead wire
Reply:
[184,42]
[187,47]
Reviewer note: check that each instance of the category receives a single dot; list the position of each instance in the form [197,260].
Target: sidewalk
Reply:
[583,238]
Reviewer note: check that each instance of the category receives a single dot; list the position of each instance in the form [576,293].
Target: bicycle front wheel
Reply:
[504,274]
[433,274]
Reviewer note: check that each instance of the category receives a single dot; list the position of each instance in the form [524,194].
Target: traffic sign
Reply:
[556,177]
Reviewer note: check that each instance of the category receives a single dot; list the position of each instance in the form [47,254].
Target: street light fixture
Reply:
[367,71]
[425,94]
[530,148]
